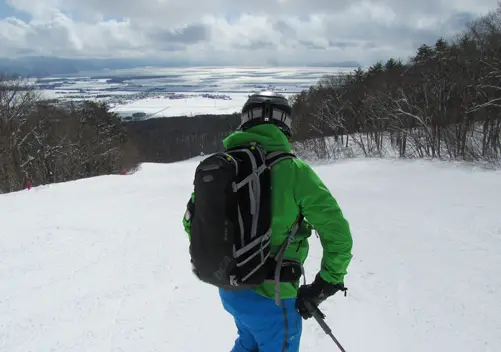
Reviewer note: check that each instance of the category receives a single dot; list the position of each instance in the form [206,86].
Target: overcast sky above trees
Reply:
[252,32]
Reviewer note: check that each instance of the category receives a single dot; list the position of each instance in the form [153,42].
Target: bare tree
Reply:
[46,143]
[444,103]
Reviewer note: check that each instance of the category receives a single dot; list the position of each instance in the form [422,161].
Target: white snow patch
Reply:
[192,105]
[102,264]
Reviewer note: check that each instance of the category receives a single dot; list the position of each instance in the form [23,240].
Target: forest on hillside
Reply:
[183,137]
[444,102]
[41,143]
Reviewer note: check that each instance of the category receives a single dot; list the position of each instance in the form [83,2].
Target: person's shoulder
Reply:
[294,162]
[300,163]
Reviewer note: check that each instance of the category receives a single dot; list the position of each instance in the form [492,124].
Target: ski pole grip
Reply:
[314,310]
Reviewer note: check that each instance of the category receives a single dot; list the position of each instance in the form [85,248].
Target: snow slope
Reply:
[102,264]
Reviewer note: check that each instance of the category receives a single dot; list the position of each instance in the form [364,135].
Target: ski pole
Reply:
[319,317]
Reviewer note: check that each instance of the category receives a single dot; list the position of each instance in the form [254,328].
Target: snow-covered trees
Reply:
[44,143]
[445,102]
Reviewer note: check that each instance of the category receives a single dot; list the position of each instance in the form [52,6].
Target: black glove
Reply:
[315,293]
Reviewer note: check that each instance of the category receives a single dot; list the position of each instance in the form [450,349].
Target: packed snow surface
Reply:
[102,264]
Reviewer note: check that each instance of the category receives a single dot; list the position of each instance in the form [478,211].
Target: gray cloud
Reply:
[254,45]
[343,44]
[194,33]
[226,31]
[369,45]
[285,29]
[311,45]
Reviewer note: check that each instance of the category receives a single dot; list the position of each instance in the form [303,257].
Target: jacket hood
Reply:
[269,136]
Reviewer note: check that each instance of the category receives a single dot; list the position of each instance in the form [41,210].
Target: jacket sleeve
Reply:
[190,209]
[322,211]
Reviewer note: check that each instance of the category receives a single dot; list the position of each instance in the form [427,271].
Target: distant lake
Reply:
[194,79]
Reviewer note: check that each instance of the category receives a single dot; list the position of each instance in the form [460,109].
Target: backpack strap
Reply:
[252,179]
[272,159]
[291,237]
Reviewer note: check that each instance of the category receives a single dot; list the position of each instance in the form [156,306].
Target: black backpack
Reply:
[231,216]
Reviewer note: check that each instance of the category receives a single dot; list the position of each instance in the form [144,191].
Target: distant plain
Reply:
[162,92]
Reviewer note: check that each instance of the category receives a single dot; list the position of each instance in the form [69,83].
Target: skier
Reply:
[262,325]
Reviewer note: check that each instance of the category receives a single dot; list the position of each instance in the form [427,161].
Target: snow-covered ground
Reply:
[190,105]
[145,90]
[102,264]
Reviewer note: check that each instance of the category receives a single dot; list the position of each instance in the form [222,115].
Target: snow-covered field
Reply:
[147,91]
[190,105]
[102,264]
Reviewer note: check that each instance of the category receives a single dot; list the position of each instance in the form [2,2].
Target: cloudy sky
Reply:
[251,32]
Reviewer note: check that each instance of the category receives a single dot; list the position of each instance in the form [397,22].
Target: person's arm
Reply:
[322,211]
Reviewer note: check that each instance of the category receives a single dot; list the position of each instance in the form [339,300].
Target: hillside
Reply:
[102,264]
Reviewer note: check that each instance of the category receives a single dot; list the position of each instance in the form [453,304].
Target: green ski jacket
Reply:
[297,188]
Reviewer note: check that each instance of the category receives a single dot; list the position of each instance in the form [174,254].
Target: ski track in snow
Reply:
[102,264]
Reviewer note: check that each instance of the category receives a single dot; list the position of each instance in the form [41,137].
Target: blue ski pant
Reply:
[262,325]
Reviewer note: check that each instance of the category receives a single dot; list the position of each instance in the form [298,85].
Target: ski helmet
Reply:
[267,107]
